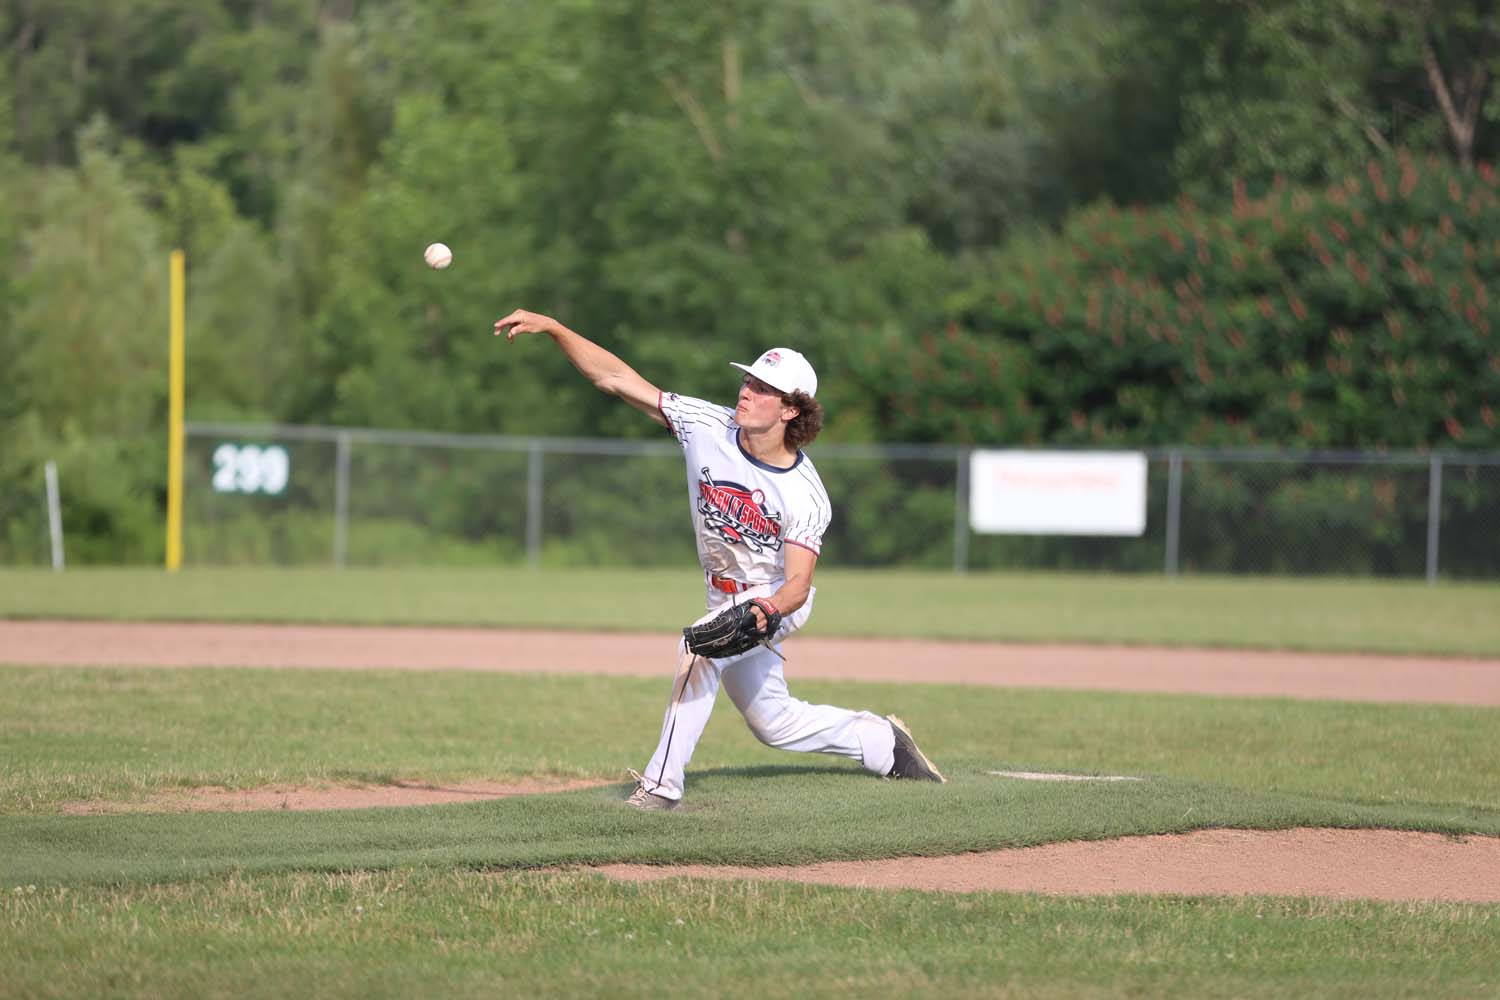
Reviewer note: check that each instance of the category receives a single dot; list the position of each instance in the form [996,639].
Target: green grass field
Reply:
[429,932]
[454,900]
[459,933]
[1321,614]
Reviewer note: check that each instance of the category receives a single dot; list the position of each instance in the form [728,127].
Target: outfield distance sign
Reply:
[1058,492]
[250,468]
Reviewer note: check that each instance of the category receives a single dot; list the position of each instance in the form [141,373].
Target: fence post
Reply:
[1434,514]
[54,514]
[1174,508]
[961,514]
[341,501]
[534,503]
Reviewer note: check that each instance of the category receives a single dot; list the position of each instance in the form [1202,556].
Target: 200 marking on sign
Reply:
[250,468]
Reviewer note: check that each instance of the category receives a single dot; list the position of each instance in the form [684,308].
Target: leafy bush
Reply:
[1356,317]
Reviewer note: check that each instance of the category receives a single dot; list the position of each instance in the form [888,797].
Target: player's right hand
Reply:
[523,321]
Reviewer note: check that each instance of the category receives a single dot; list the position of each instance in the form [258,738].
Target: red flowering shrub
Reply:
[1356,317]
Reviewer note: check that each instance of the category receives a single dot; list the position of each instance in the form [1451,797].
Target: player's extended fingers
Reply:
[508,324]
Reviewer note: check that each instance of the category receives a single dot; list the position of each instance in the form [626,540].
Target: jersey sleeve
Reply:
[687,416]
[807,523]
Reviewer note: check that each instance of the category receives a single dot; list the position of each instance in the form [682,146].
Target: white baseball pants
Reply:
[757,686]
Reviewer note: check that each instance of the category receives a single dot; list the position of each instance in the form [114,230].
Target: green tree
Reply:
[92,288]
[1353,317]
[1307,92]
[680,193]
[244,343]
[86,350]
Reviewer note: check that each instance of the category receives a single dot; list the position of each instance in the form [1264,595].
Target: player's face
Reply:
[760,406]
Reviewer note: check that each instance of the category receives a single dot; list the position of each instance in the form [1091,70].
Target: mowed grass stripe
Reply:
[121,734]
[1209,762]
[413,932]
[751,816]
[1314,614]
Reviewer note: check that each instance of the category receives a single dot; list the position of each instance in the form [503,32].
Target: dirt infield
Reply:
[1338,864]
[1370,864]
[307,799]
[1453,681]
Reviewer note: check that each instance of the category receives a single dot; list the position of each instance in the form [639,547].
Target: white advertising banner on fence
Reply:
[1058,492]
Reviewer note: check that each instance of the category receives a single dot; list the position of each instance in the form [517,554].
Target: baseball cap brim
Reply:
[766,377]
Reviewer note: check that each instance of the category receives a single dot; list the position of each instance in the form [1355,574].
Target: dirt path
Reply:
[1371,864]
[1103,668]
[1340,864]
[211,798]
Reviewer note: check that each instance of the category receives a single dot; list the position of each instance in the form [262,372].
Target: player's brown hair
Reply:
[802,428]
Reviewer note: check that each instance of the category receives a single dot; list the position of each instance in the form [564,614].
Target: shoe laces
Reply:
[640,784]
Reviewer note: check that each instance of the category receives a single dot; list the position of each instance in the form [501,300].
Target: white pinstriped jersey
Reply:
[744,511]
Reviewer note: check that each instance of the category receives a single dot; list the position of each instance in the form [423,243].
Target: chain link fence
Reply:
[288,495]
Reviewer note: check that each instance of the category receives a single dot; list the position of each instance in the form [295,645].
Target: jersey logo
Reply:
[738,514]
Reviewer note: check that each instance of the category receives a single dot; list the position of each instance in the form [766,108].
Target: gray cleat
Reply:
[911,762]
[648,801]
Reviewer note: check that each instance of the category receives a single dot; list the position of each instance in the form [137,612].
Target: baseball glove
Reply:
[733,631]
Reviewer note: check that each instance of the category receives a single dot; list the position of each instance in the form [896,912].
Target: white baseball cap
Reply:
[784,369]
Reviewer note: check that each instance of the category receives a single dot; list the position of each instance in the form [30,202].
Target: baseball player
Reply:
[759,514]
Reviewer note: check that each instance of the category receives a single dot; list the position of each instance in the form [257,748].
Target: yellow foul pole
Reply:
[174,431]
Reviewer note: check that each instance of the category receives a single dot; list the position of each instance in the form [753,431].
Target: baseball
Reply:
[438,256]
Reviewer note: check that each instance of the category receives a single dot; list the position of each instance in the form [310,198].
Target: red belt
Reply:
[726,585]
